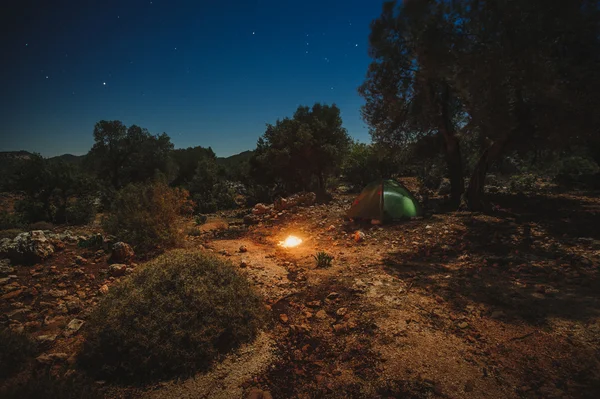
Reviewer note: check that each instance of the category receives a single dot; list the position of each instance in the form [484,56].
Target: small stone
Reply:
[122,253]
[338,328]
[321,314]
[259,394]
[314,304]
[333,295]
[341,312]
[104,289]
[243,249]
[359,236]
[284,318]
[243,264]
[57,293]
[49,358]
[74,305]
[73,327]
[80,260]
[117,269]
[46,339]
[463,325]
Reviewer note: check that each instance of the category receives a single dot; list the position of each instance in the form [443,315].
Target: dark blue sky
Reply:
[208,73]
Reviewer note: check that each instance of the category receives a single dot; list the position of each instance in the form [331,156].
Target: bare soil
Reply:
[456,305]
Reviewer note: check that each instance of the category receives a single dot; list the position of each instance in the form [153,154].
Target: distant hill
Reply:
[69,158]
[15,155]
[235,160]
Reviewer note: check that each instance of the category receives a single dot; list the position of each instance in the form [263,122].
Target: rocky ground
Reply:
[457,305]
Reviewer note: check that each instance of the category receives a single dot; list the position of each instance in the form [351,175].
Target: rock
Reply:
[12,295]
[46,339]
[117,269]
[284,318]
[122,253]
[313,304]
[333,295]
[341,312]
[321,314]
[463,325]
[359,236]
[80,260]
[73,327]
[27,248]
[338,328]
[244,263]
[243,249]
[104,289]
[50,358]
[260,209]
[57,293]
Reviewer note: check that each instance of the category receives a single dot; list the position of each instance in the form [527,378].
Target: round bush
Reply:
[172,317]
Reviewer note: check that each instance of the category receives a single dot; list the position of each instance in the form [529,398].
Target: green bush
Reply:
[323,260]
[81,211]
[10,220]
[200,219]
[15,350]
[575,169]
[522,183]
[172,317]
[147,216]
[32,210]
[43,385]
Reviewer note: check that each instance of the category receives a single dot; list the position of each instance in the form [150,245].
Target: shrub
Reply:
[522,183]
[146,216]
[10,220]
[43,385]
[81,211]
[15,349]
[323,259]
[200,219]
[172,317]
[575,169]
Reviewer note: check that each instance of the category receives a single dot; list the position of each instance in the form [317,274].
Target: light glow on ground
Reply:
[290,242]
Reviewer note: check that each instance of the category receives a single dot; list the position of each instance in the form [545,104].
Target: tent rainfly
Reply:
[386,201]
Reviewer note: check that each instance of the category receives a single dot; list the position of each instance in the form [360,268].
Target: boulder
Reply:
[117,269]
[122,253]
[260,209]
[27,248]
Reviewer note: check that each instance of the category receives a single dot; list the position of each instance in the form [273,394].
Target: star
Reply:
[175,48]
[26,44]
[253,33]
[46,76]
[356,45]
[103,83]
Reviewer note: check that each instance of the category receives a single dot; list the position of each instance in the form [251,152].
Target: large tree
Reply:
[122,155]
[515,74]
[294,151]
[408,89]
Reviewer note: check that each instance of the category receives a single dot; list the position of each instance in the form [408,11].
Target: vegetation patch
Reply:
[44,385]
[173,317]
[15,350]
[147,216]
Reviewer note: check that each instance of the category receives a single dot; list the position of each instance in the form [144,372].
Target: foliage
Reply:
[187,160]
[575,169]
[208,191]
[200,219]
[15,350]
[146,216]
[366,163]
[122,155]
[81,211]
[499,76]
[10,220]
[50,187]
[522,182]
[323,259]
[10,233]
[295,150]
[173,317]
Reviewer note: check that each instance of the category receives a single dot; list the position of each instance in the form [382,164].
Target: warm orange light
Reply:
[290,242]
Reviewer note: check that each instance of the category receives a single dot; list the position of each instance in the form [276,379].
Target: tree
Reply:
[187,160]
[408,89]
[294,151]
[121,155]
[366,163]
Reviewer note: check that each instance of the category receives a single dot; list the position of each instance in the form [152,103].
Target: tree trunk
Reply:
[475,195]
[453,159]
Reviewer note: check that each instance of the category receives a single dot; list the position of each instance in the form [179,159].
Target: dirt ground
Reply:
[457,305]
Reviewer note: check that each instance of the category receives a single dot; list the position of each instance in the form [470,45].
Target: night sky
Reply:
[208,73]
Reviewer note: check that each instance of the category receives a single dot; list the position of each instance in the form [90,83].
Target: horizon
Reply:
[202,73]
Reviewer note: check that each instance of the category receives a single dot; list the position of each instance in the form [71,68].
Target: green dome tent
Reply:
[385,200]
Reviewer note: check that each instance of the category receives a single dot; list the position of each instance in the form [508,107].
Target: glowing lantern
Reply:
[290,242]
